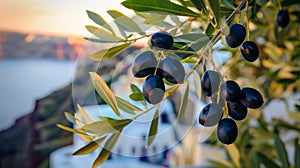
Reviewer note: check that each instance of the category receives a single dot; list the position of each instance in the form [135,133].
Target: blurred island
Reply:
[29,142]
[36,46]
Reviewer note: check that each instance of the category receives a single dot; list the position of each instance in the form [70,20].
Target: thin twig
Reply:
[202,53]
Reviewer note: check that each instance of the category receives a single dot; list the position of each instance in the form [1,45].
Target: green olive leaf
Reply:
[266,161]
[99,20]
[109,53]
[103,34]
[90,147]
[155,19]
[281,151]
[234,154]
[197,81]
[70,117]
[125,23]
[254,159]
[126,106]
[297,153]
[228,4]
[153,129]
[104,127]
[137,96]
[159,6]
[104,92]
[84,114]
[200,5]
[183,104]
[135,88]
[97,40]
[79,131]
[106,150]
[214,6]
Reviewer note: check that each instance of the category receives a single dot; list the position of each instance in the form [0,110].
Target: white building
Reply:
[131,144]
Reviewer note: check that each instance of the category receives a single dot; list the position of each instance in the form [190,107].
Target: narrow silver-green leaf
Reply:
[97,40]
[297,153]
[84,114]
[100,21]
[134,88]
[90,147]
[281,151]
[159,6]
[126,106]
[105,127]
[124,22]
[186,28]
[171,89]
[104,92]
[155,19]
[153,128]
[109,53]
[197,81]
[106,150]
[173,32]
[214,6]
[191,37]
[137,96]
[228,4]
[183,104]
[254,160]
[200,5]
[70,117]
[267,162]
[71,129]
[103,34]
[175,19]
[234,154]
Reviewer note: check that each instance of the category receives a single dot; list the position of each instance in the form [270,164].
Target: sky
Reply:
[67,17]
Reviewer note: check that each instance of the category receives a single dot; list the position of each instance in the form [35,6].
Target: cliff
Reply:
[33,137]
[29,142]
[37,46]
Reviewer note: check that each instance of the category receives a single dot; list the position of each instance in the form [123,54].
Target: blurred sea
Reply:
[22,81]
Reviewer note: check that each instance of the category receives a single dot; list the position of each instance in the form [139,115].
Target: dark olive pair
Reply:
[146,65]
[236,38]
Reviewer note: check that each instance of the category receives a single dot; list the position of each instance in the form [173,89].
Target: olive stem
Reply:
[135,39]
[247,22]
[279,4]
[215,38]
[201,54]
[145,111]
[157,66]
[226,110]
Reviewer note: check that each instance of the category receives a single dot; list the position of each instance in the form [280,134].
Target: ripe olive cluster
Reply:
[223,94]
[236,38]
[237,101]
[147,65]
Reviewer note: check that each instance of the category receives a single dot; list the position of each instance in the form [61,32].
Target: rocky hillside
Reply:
[33,46]
[29,142]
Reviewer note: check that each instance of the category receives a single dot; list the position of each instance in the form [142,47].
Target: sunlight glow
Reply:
[64,17]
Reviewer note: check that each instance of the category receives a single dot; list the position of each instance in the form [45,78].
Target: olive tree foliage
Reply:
[201,24]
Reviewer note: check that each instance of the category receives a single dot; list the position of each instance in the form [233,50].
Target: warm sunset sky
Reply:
[53,16]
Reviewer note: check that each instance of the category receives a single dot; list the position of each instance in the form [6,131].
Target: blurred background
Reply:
[40,45]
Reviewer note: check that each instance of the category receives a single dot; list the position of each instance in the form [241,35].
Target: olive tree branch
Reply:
[201,54]
[214,39]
